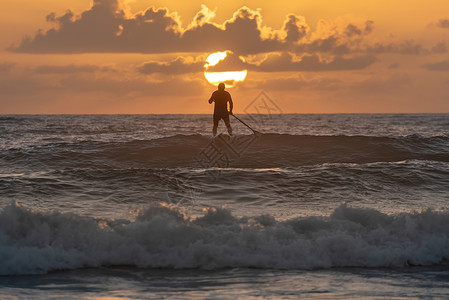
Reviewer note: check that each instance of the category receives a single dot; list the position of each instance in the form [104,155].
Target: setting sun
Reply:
[214,58]
[228,77]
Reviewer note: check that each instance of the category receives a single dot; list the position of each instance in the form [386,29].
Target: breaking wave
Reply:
[163,237]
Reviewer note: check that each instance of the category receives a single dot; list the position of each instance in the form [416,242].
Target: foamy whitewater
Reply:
[150,206]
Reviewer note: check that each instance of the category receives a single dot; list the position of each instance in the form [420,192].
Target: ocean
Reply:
[314,206]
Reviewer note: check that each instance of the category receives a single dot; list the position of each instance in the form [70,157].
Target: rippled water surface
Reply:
[318,206]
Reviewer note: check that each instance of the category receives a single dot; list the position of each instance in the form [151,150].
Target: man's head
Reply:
[221,86]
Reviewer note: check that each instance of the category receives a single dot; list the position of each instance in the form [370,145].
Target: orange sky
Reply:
[109,56]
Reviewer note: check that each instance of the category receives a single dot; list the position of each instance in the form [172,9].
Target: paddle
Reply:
[254,131]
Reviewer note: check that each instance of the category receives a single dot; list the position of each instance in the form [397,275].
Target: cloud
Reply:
[352,30]
[408,47]
[106,27]
[369,26]
[298,83]
[22,85]
[243,34]
[376,85]
[67,69]
[285,62]
[205,15]
[438,66]
[132,87]
[443,23]
[6,66]
[177,66]
[394,66]
[273,62]
[332,44]
[344,37]
[111,83]
[337,45]
[439,48]
[295,28]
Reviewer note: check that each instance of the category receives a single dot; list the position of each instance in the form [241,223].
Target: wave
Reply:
[163,237]
[265,151]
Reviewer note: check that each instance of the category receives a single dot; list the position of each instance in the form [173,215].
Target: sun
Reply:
[230,78]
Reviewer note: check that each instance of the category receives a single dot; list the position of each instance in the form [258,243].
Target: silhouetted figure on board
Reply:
[221,99]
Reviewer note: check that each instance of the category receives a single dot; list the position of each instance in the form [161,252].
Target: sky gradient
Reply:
[109,56]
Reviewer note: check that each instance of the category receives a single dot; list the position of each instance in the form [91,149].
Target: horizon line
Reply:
[193,114]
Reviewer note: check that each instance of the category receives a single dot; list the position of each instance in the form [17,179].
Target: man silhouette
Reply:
[221,99]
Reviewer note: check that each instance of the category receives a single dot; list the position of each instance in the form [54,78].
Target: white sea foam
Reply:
[162,237]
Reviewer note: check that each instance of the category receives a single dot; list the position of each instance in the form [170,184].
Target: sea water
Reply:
[151,206]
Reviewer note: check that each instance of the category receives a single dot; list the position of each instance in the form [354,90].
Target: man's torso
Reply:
[221,99]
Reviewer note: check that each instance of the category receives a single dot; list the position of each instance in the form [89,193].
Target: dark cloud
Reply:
[295,28]
[352,30]
[394,66]
[67,69]
[439,48]
[369,26]
[242,34]
[274,62]
[105,27]
[439,66]
[339,41]
[337,45]
[6,66]
[177,66]
[285,62]
[352,40]
[443,23]
[408,47]
[332,44]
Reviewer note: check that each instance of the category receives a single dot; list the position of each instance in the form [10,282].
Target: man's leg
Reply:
[228,124]
[214,130]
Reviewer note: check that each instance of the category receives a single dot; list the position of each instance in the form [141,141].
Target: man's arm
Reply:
[211,98]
